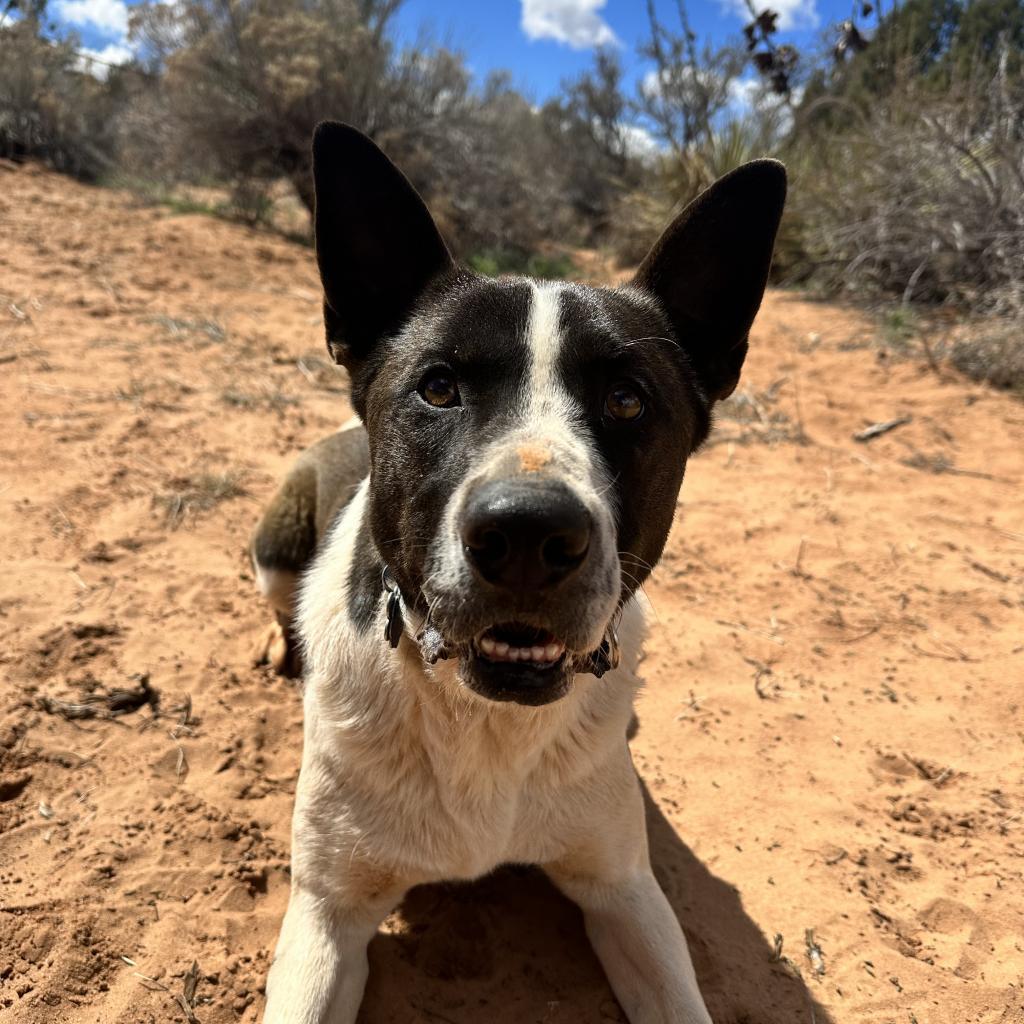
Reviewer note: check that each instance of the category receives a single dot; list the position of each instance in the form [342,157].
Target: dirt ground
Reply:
[832,733]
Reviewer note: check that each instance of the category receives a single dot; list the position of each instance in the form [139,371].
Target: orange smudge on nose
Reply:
[533,457]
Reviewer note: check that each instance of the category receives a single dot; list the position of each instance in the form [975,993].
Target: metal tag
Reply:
[393,629]
[606,657]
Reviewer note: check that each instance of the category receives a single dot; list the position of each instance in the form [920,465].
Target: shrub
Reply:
[680,176]
[243,85]
[920,195]
[494,262]
[992,352]
[637,220]
[50,107]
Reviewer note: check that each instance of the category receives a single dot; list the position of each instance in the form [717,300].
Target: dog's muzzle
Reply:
[530,584]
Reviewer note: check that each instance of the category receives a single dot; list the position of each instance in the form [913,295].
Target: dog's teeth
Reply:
[499,650]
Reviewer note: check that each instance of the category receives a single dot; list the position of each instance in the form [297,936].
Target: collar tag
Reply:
[606,657]
[395,625]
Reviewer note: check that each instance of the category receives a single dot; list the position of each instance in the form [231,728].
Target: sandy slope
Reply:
[832,732]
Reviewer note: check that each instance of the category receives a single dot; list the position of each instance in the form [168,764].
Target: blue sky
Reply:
[540,41]
[544,41]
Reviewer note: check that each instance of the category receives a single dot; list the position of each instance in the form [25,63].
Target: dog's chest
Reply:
[480,802]
[452,796]
[486,792]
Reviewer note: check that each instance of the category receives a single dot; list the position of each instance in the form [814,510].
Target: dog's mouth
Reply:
[517,661]
[513,643]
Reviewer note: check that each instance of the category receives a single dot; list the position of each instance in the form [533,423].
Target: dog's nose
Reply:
[525,536]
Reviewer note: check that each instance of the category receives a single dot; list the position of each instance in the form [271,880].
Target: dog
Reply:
[460,571]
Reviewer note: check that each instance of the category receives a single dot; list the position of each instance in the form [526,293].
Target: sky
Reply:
[541,42]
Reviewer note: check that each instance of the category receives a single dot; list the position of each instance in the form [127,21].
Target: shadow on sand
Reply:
[510,949]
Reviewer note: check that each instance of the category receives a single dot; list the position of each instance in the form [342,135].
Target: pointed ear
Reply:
[710,267]
[376,244]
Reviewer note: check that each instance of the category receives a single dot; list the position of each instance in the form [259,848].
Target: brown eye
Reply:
[439,389]
[623,403]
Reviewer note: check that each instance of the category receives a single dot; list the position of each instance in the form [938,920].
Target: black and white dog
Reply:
[467,614]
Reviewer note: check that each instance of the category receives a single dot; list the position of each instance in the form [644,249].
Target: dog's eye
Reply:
[623,403]
[440,390]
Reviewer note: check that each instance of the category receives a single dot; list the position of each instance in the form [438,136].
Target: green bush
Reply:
[494,262]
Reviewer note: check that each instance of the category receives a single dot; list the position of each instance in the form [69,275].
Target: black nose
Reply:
[525,536]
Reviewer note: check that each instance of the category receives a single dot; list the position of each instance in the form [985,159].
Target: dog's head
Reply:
[528,439]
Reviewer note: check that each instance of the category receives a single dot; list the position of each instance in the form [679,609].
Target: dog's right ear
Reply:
[377,246]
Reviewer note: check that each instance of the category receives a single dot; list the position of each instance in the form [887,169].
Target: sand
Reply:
[831,733]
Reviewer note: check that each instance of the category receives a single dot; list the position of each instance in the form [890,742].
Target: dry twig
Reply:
[111,704]
[878,429]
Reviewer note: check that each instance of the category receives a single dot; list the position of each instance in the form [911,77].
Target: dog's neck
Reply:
[356,682]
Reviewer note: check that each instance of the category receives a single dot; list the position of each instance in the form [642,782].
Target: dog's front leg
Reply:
[320,967]
[606,870]
[640,944]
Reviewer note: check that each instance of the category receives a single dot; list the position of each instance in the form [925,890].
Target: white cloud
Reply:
[792,13]
[640,143]
[96,62]
[573,22]
[743,93]
[654,83]
[747,94]
[109,17]
[651,84]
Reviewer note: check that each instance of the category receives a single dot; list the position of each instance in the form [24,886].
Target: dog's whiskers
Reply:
[608,486]
[635,561]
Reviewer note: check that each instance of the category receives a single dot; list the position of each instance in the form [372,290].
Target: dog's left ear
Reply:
[710,267]
[377,246]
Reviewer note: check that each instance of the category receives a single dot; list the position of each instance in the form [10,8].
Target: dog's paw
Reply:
[277,648]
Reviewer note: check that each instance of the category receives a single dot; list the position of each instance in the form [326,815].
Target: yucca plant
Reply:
[685,175]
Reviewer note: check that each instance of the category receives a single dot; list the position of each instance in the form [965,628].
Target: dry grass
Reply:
[264,398]
[204,328]
[990,350]
[921,196]
[198,493]
[993,353]
[758,418]
[637,219]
